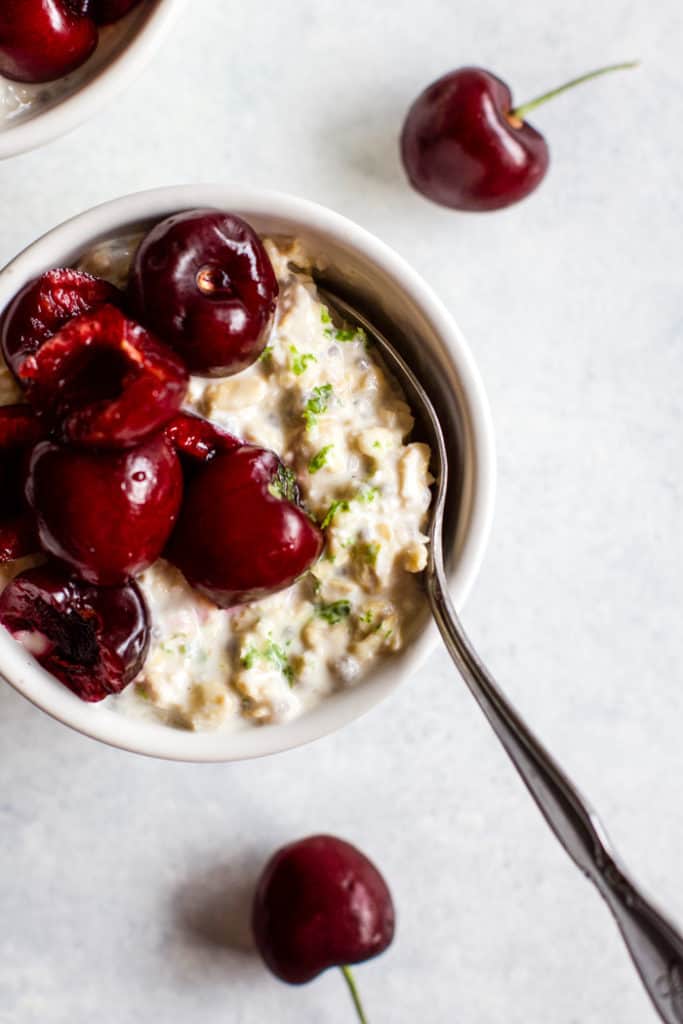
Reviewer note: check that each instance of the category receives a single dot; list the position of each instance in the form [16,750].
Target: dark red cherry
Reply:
[320,903]
[203,281]
[462,148]
[106,11]
[41,40]
[19,427]
[44,306]
[464,145]
[105,381]
[198,438]
[18,537]
[241,535]
[19,431]
[93,639]
[107,515]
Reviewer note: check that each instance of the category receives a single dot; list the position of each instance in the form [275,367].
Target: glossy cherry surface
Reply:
[104,381]
[203,281]
[320,903]
[44,306]
[462,147]
[93,639]
[41,40]
[241,534]
[107,515]
[199,439]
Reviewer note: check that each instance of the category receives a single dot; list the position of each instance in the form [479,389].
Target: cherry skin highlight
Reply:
[46,305]
[94,640]
[41,40]
[199,439]
[107,515]
[104,381]
[320,903]
[203,282]
[241,534]
[461,148]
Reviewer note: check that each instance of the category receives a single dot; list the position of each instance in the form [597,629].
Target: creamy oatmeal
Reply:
[320,397]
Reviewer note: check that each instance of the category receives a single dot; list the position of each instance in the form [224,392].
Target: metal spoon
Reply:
[654,942]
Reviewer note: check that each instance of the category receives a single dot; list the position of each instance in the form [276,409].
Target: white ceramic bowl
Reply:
[383,285]
[122,53]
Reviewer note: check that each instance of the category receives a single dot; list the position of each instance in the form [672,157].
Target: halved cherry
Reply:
[93,639]
[107,515]
[19,427]
[44,306]
[105,380]
[241,534]
[198,438]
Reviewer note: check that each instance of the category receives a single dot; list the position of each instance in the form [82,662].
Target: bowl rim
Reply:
[77,107]
[161,741]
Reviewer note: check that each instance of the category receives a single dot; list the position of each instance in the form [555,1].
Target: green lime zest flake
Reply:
[274,654]
[249,657]
[376,444]
[341,505]
[319,459]
[367,493]
[266,354]
[315,583]
[175,644]
[300,361]
[334,612]
[277,657]
[284,485]
[367,552]
[366,617]
[317,404]
[343,334]
[357,334]
[141,691]
[325,317]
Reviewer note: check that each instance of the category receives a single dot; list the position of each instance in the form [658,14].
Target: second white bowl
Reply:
[122,53]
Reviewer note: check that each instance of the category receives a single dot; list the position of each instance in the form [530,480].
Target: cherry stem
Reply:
[520,112]
[351,982]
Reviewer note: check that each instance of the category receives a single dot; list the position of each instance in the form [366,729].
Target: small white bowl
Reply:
[122,53]
[394,296]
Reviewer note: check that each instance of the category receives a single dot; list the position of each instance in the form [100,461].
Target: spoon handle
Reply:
[655,944]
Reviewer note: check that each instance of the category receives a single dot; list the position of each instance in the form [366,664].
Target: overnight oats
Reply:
[47,50]
[220,478]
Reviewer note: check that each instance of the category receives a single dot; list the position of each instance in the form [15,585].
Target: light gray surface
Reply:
[124,880]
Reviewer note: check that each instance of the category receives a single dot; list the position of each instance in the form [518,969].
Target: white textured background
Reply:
[124,882]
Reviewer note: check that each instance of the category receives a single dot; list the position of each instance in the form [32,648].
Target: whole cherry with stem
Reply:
[321,903]
[466,146]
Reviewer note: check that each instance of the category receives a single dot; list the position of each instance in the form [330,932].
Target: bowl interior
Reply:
[356,265]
